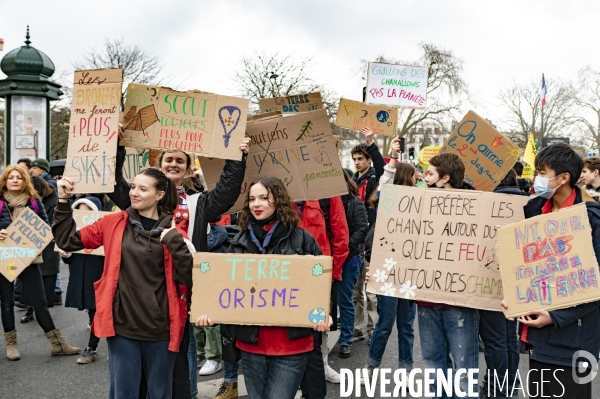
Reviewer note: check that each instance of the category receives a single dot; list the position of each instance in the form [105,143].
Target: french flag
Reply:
[544,91]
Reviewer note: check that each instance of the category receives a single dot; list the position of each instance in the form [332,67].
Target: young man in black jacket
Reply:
[366,178]
[555,339]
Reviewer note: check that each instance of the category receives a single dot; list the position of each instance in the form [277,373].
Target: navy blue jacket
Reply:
[6,220]
[575,328]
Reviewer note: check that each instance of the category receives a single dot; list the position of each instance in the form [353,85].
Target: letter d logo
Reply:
[582,366]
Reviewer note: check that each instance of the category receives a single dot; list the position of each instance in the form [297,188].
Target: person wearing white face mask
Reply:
[552,338]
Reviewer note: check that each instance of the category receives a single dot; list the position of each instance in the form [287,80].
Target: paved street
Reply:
[38,375]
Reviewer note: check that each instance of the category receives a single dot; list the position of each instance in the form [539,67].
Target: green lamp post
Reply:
[28,91]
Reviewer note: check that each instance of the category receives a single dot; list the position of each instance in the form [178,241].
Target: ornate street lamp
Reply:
[28,92]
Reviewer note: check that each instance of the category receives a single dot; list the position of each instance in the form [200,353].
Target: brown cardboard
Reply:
[93,132]
[291,104]
[86,218]
[191,121]
[137,160]
[28,235]
[382,119]
[548,262]
[396,85]
[442,241]
[302,154]
[487,154]
[295,289]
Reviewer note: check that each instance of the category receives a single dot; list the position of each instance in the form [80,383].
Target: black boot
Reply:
[28,316]
[58,299]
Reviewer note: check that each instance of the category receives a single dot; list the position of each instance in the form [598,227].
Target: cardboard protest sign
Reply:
[427,153]
[138,159]
[487,154]
[438,246]
[298,149]
[291,104]
[527,172]
[356,115]
[191,121]
[548,262]
[266,290]
[396,85]
[94,125]
[28,235]
[86,218]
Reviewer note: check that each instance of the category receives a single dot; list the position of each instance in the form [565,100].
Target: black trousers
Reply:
[313,383]
[93,341]
[551,380]
[33,285]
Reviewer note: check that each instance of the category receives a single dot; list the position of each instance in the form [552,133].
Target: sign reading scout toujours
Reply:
[438,246]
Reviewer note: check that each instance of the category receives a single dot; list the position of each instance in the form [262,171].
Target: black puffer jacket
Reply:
[210,204]
[373,174]
[575,328]
[296,241]
[6,220]
[358,224]
[510,190]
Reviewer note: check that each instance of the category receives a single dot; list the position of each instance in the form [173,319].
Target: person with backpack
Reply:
[274,358]
[16,194]
[358,226]
[366,178]
[556,339]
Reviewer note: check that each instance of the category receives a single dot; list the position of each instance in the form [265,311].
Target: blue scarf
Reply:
[262,248]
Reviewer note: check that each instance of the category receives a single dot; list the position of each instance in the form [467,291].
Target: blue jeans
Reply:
[501,352]
[402,311]
[126,360]
[444,330]
[230,371]
[273,377]
[57,287]
[192,362]
[345,289]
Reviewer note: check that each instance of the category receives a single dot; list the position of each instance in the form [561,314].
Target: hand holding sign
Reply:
[245,145]
[65,186]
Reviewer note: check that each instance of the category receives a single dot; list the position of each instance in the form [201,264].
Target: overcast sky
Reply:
[202,41]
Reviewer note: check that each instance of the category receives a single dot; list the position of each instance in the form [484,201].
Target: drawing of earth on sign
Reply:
[383,116]
[317,315]
[228,122]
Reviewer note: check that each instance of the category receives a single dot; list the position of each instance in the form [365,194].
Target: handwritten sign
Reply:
[28,235]
[267,290]
[438,246]
[548,262]
[356,115]
[427,153]
[396,85]
[527,172]
[137,160]
[487,154]
[191,121]
[291,104]
[298,149]
[94,124]
[85,218]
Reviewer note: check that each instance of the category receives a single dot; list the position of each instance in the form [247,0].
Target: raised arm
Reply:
[121,194]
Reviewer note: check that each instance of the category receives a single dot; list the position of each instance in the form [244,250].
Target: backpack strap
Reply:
[1,206]
[34,204]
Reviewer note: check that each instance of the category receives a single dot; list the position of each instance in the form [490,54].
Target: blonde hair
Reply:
[29,189]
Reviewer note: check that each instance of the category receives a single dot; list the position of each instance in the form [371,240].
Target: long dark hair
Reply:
[43,188]
[404,174]
[352,187]
[168,203]
[281,201]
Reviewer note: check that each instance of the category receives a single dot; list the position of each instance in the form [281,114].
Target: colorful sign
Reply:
[396,85]
[438,246]
[487,154]
[94,125]
[191,121]
[266,290]
[427,153]
[28,235]
[298,149]
[291,104]
[547,262]
[356,115]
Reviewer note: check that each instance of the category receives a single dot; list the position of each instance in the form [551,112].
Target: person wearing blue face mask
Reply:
[552,338]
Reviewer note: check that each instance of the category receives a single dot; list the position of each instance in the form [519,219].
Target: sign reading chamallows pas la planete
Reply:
[265,290]
[438,246]
[396,85]
[28,235]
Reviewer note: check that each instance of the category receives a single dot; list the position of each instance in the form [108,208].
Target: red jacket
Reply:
[108,231]
[313,221]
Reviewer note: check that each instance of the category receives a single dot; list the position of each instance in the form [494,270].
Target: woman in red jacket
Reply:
[138,308]
[274,358]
